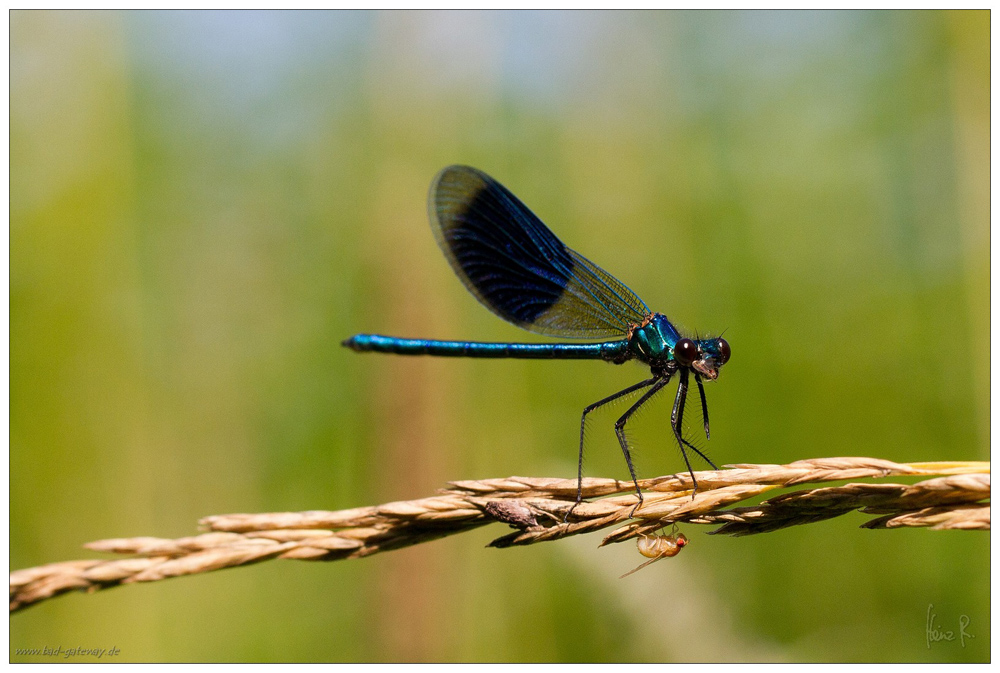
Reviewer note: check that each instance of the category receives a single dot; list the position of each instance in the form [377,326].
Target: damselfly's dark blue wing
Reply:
[517,268]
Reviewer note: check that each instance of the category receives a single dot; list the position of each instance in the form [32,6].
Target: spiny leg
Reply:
[677,421]
[704,412]
[698,451]
[677,418]
[583,425]
[704,403]
[620,431]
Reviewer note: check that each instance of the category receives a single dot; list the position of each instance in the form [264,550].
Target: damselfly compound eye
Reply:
[724,352]
[685,352]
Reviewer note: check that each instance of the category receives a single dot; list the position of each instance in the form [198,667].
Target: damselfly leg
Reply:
[583,427]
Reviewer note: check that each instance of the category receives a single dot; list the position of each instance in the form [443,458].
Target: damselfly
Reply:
[518,269]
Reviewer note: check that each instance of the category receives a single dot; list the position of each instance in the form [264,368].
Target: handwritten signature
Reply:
[936,634]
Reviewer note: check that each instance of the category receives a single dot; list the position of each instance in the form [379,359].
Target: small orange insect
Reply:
[654,547]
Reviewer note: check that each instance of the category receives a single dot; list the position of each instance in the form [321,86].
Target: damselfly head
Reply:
[705,356]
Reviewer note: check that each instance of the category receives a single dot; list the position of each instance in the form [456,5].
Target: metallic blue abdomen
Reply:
[608,350]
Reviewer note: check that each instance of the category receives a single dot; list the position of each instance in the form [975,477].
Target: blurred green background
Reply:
[204,204]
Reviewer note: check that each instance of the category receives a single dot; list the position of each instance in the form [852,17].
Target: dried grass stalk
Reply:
[536,509]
